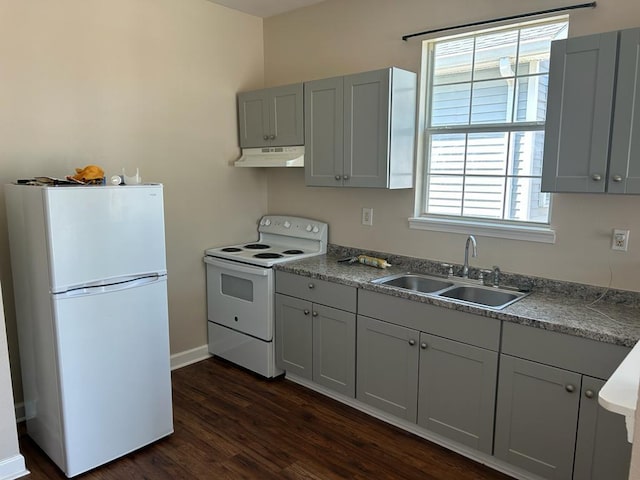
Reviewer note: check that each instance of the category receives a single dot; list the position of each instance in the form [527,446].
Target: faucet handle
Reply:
[496,276]
[483,273]
[449,267]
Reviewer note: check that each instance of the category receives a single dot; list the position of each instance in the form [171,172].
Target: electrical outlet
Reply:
[367,216]
[620,240]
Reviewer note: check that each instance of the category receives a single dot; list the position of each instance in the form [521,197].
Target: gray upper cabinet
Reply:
[360,130]
[624,170]
[589,144]
[272,117]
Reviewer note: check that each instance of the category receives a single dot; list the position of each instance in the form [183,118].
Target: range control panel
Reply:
[293,227]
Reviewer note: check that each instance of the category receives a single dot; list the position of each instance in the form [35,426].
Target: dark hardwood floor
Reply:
[230,424]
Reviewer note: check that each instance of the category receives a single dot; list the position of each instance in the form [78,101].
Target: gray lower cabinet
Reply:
[445,386]
[536,417]
[456,395]
[313,340]
[360,130]
[271,117]
[548,421]
[602,451]
[387,367]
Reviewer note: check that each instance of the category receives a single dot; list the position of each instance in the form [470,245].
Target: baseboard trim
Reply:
[13,467]
[182,359]
[21,414]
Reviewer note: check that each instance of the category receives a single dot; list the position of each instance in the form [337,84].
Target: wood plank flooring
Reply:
[231,424]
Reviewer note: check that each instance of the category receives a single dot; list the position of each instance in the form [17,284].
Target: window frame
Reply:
[501,228]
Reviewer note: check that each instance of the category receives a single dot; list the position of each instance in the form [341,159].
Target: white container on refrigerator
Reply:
[89,274]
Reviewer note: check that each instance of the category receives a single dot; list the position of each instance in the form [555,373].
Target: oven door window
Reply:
[236,287]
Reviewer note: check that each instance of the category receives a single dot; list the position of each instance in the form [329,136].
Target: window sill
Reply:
[529,233]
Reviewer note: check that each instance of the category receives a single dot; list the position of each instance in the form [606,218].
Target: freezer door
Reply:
[114,367]
[101,233]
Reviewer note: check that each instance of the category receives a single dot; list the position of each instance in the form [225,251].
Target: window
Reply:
[485,109]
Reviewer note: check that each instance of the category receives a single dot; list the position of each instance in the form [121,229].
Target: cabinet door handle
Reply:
[311,286]
[314,314]
[596,177]
[345,177]
[588,393]
[338,177]
[265,137]
[412,342]
[569,388]
[423,346]
[616,178]
[272,137]
[306,312]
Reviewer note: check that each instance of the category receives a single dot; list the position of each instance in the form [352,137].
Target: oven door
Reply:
[241,297]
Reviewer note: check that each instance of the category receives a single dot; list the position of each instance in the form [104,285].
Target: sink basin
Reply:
[486,297]
[415,282]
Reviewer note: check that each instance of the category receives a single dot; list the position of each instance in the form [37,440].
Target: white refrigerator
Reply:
[89,275]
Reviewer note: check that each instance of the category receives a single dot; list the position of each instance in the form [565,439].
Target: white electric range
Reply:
[241,289]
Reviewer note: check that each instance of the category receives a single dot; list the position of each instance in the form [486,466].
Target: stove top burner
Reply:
[257,246]
[231,249]
[293,252]
[267,255]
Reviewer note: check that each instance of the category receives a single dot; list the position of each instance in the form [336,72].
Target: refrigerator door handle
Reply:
[112,287]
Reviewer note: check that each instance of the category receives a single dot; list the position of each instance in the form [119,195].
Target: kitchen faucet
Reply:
[465,268]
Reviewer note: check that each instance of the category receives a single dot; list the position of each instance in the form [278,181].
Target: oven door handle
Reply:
[237,267]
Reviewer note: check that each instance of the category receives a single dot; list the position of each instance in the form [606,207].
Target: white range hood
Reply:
[271,157]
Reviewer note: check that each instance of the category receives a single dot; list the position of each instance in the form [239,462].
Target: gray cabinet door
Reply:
[579,113]
[537,417]
[253,118]
[624,170]
[294,336]
[387,367]
[367,99]
[602,450]
[271,117]
[286,120]
[457,386]
[334,349]
[324,132]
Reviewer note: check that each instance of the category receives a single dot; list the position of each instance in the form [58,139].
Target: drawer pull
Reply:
[315,314]
[306,312]
[412,342]
[596,177]
[423,346]
[588,393]
[569,388]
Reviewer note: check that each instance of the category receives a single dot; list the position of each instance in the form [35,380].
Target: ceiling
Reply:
[265,8]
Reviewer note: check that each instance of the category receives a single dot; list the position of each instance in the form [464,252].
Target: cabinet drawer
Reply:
[444,322]
[577,354]
[318,291]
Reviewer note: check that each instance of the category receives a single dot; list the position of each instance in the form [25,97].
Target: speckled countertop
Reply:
[558,306]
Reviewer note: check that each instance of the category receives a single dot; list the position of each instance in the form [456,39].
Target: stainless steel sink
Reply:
[483,296]
[450,289]
[414,282]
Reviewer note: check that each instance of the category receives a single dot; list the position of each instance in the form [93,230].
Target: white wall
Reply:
[337,37]
[135,83]
[11,462]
